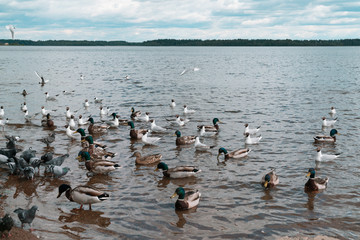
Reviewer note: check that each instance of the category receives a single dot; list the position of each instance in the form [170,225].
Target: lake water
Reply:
[285,90]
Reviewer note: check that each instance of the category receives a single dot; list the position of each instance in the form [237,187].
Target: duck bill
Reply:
[156,169]
[59,195]
[174,195]
[78,157]
[308,174]
[266,184]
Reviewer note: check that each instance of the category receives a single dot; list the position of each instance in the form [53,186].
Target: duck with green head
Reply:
[96,151]
[98,166]
[184,140]
[186,200]
[239,153]
[83,194]
[270,179]
[327,139]
[134,113]
[211,128]
[315,183]
[96,129]
[179,171]
[136,134]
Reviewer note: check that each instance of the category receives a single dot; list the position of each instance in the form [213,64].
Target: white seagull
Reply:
[328,123]
[187,111]
[324,157]
[201,146]
[156,128]
[251,131]
[252,140]
[149,140]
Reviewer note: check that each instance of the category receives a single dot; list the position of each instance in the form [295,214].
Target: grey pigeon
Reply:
[49,139]
[3,159]
[57,161]
[27,154]
[35,163]
[29,172]
[8,152]
[58,171]
[6,223]
[26,216]
[47,157]
[12,167]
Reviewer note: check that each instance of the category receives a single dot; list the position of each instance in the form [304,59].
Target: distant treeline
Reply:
[187,42]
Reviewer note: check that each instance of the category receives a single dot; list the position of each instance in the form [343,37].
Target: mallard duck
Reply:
[96,129]
[211,128]
[239,153]
[251,131]
[136,134]
[186,200]
[187,111]
[324,157]
[149,140]
[172,104]
[96,151]
[98,166]
[184,140]
[252,140]
[327,139]
[178,172]
[134,113]
[86,143]
[315,183]
[270,179]
[328,123]
[47,122]
[145,160]
[180,121]
[83,194]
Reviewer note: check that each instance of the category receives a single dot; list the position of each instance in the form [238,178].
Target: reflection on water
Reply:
[85,217]
[286,91]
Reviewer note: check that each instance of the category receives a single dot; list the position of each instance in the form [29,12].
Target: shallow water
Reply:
[286,91]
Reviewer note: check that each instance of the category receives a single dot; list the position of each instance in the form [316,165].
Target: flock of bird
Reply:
[98,158]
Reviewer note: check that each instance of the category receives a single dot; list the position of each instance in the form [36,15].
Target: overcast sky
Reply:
[140,20]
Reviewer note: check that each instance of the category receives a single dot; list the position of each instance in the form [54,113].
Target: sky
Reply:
[142,20]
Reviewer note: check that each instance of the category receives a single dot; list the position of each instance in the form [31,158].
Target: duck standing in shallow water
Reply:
[83,194]
[315,183]
[270,179]
[327,139]
[186,200]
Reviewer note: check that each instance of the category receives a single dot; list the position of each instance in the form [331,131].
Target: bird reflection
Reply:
[310,203]
[22,186]
[180,213]
[267,195]
[85,217]
[181,182]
